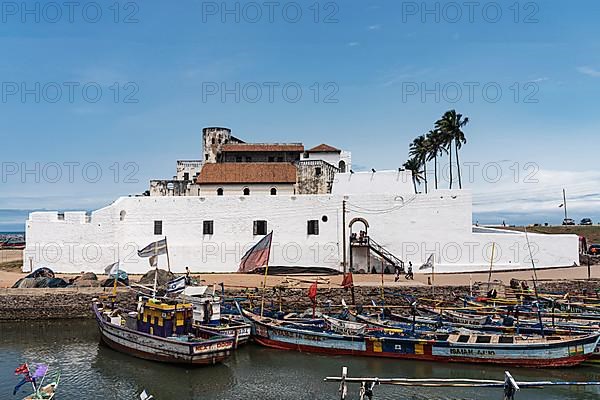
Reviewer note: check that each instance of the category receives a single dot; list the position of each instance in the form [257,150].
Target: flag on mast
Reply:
[176,285]
[428,264]
[112,269]
[312,292]
[257,256]
[154,249]
[347,281]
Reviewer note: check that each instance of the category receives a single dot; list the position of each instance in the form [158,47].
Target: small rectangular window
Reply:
[158,227]
[318,171]
[271,159]
[260,227]
[208,227]
[279,159]
[248,159]
[313,227]
[238,159]
[186,176]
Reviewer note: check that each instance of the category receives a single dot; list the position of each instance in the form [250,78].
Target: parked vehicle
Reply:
[594,250]
[568,221]
[586,221]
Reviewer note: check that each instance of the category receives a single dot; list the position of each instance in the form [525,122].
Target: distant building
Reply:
[232,166]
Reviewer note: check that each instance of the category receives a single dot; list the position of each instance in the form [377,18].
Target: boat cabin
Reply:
[164,319]
[207,306]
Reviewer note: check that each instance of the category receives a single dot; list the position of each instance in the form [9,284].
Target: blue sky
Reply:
[373,75]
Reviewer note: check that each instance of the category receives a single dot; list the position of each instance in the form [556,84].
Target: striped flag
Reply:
[154,249]
[176,285]
[257,256]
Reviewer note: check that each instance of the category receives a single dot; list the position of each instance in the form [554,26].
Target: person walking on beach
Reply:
[409,274]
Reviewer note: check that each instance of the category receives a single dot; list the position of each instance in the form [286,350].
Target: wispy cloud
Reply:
[589,71]
[541,79]
[353,44]
[403,74]
[374,27]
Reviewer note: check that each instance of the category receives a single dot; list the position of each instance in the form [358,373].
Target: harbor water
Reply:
[90,370]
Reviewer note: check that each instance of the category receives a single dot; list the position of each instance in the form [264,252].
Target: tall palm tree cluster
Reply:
[446,135]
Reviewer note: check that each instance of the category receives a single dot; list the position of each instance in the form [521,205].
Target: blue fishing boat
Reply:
[351,338]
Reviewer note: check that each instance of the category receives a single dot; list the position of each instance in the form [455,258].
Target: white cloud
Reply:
[589,71]
[537,192]
[374,27]
[353,44]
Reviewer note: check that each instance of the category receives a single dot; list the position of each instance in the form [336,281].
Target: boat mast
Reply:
[155,269]
[535,284]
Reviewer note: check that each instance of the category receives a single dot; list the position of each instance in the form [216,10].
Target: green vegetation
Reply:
[446,135]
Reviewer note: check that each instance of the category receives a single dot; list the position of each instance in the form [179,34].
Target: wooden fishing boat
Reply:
[46,392]
[459,317]
[160,331]
[516,350]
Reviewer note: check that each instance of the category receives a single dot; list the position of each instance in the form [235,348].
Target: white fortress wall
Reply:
[410,226]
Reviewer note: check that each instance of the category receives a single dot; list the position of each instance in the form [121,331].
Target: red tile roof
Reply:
[291,147]
[247,173]
[324,148]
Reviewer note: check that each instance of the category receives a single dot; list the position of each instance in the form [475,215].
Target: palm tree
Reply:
[436,147]
[414,165]
[450,127]
[419,149]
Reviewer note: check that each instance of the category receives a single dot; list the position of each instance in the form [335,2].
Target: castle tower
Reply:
[213,138]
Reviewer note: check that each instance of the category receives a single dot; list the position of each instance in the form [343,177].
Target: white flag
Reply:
[113,268]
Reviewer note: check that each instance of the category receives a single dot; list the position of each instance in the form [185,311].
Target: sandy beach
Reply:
[10,273]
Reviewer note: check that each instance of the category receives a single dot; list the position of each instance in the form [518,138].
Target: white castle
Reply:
[323,215]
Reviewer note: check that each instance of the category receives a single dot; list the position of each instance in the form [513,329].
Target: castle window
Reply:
[158,227]
[318,171]
[213,141]
[220,192]
[342,166]
[206,157]
[273,191]
[260,227]
[246,192]
[122,215]
[186,176]
[313,227]
[208,227]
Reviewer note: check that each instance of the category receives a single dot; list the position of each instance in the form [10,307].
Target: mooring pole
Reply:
[344,235]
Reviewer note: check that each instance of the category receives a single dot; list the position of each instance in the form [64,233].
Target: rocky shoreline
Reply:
[46,304]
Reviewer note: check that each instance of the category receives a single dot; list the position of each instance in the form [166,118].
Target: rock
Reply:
[87,283]
[162,278]
[88,276]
